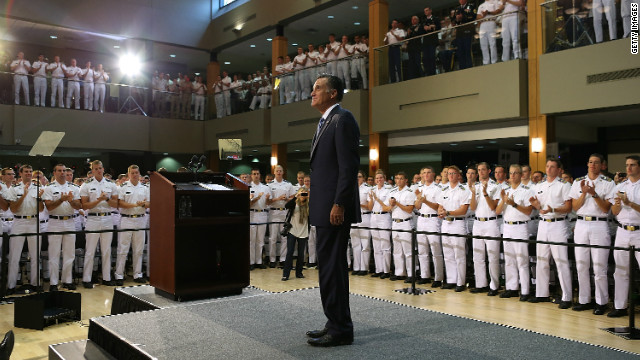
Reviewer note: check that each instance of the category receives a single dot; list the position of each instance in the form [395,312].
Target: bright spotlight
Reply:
[130,64]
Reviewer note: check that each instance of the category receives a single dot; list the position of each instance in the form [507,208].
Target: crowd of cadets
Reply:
[70,205]
[513,204]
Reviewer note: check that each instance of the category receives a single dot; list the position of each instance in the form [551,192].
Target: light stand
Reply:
[131,107]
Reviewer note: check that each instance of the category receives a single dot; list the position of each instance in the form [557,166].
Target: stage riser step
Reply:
[78,350]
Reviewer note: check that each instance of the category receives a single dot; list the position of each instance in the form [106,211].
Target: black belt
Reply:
[486,219]
[379,212]
[366,213]
[552,220]
[592,218]
[401,220]
[277,209]
[7,219]
[535,218]
[499,216]
[515,222]
[258,210]
[429,215]
[100,214]
[44,221]
[132,216]
[452,218]
[629,227]
[24,217]
[62,217]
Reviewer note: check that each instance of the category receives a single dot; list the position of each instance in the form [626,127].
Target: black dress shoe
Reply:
[53,288]
[509,294]
[329,340]
[409,280]
[393,278]
[252,267]
[6,346]
[421,281]
[364,273]
[11,291]
[140,280]
[385,276]
[285,278]
[460,288]
[87,285]
[119,282]
[448,286]
[70,286]
[524,298]
[272,265]
[401,277]
[376,274]
[436,284]
[535,299]
[109,283]
[262,266]
[317,333]
[617,313]
[582,307]
[492,292]
[600,309]
[479,290]
[564,304]
[300,276]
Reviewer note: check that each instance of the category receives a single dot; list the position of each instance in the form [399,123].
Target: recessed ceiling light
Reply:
[254,150]
[297,150]
[493,142]
[197,74]
[294,44]
[330,16]
[453,144]
[361,145]
[519,144]
[165,154]
[479,147]
[355,7]
[227,62]
[116,46]
[356,23]
[252,46]
[53,36]
[269,39]
[172,55]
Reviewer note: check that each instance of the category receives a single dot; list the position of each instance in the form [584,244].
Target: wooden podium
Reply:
[199,240]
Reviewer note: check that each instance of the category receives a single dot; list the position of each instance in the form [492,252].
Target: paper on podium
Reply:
[46,143]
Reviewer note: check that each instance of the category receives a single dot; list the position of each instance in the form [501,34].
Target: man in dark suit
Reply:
[334,206]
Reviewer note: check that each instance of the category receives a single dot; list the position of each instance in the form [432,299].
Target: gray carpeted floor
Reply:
[147,293]
[273,326]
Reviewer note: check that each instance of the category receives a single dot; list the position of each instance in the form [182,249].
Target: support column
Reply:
[278,48]
[378,19]
[213,70]
[540,125]
[279,157]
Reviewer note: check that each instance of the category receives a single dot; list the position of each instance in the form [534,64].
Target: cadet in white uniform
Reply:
[279,73]
[73,73]
[88,76]
[401,202]
[515,204]
[360,237]
[381,219]
[592,199]
[485,196]
[23,204]
[133,200]
[259,195]
[280,191]
[39,70]
[302,85]
[343,51]
[5,213]
[98,195]
[332,66]
[200,90]
[359,61]
[311,248]
[626,208]
[552,198]
[218,97]
[428,220]
[608,7]
[61,199]
[100,78]
[487,30]
[21,68]
[57,69]
[310,66]
[226,92]
[511,29]
[454,200]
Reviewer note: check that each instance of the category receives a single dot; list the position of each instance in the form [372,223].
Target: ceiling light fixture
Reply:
[172,55]
[294,44]
[356,23]
[116,46]
[252,45]
[355,7]
[330,16]
[227,62]
[269,39]
[53,36]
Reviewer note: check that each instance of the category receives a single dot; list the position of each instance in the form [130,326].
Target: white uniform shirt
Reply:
[393,35]
[41,67]
[452,198]
[431,193]
[29,205]
[74,72]
[493,190]
[299,59]
[345,51]
[256,189]
[403,196]
[278,189]
[132,194]
[4,192]
[627,215]
[605,188]
[94,188]
[552,194]
[383,195]
[54,191]
[488,6]
[101,77]
[521,196]
[200,89]
[87,75]
[57,70]
[330,51]
[226,83]
[313,58]
[362,47]
[22,66]
[280,69]
[363,191]
[236,86]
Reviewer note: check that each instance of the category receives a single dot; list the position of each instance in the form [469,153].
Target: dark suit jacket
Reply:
[334,169]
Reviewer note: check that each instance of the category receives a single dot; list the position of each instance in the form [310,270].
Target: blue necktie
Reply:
[320,124]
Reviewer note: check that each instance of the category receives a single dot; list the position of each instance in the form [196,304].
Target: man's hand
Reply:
[337,215]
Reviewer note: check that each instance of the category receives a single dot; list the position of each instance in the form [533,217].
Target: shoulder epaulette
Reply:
[561,180]
[606,178]
[462,187]
[272,181]
[526,187]
[581,178]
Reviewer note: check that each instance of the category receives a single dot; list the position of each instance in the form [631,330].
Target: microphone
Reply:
[192,163]
[201,162]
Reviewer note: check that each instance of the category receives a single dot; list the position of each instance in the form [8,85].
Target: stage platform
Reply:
[263,325]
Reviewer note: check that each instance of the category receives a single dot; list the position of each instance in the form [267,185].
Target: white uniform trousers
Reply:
[73,90]
[20,81]
[186,106]
[22,226]
[510,37]
[199,109]
[402,248]
[332,67]
[553,232]
[488,42]
[282,91]
[6,228]
[256,237]
[433,242]
[592,233]
[454,251]
[624,238]
[88,95]
[133,239]
[227,102]
[311,245]
[625,13]
[358,66]
[219,100]
[57,88]
[381,240]
[98,223]
[274,235]
[98,97]
[344,73]
[516,258]
[361,245]
[67,243]
[608,7]
[40,89]
[302,85]
[480,249]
